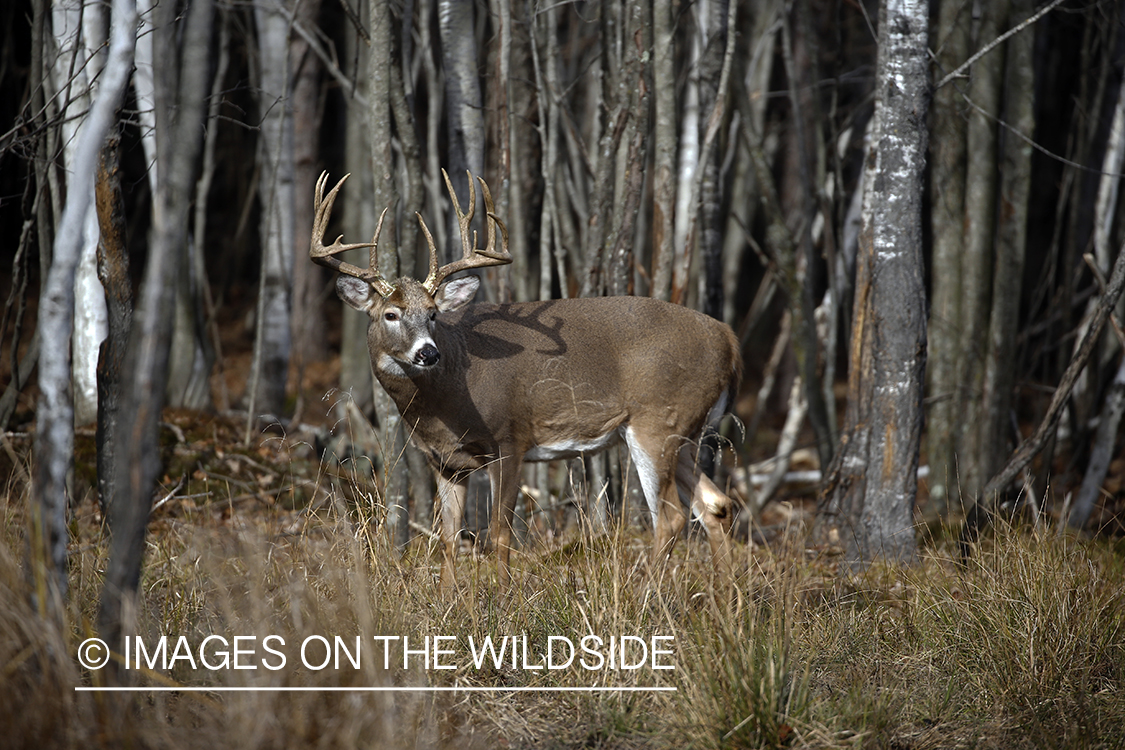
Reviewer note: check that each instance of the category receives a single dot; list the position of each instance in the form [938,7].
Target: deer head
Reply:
[404,312]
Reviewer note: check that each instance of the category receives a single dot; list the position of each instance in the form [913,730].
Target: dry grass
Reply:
[1024,648]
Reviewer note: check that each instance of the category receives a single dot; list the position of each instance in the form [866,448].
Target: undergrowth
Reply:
[1023,647]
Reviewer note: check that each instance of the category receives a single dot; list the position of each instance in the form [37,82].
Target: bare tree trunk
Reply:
[635,84]
[54,438]
[182,77]
[997,434]
[465,121]
[947,209]
[418,480]
[545,28]
[356,378]
[1087,387]
[113,272]
[689,157]
[802,76]
[869,491]
[977,259]
[510,196]
[608,118]
[309,329]
[79,32]
[411,170]
[710,192]
[393,442]
[272,340]
[193,351]
[39,217]
[211,343]
[755,70]
[1102,452]
[664,145]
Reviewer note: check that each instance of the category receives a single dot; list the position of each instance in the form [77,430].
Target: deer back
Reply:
[556,378]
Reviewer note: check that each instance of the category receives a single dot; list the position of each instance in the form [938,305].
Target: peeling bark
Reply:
[867,500]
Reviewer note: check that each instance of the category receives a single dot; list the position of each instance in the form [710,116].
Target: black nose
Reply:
[427,356]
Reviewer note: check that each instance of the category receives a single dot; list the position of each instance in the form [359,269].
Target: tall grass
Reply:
[1023,648]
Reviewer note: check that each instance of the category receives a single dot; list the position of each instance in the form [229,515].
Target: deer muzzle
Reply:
[427,356]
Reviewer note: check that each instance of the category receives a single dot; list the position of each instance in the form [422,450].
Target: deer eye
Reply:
[390,315]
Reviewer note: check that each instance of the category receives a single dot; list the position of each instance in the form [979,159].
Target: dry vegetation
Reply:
[1023,648]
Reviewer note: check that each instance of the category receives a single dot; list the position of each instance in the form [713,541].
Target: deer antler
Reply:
[325,256]
[471,257]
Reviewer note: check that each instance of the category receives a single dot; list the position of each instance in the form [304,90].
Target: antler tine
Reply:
[471,257]
[463,219]
[432,280]
[325,255]
[501,256]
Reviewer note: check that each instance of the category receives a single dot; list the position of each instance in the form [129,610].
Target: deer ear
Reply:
[455,294]
[356,292]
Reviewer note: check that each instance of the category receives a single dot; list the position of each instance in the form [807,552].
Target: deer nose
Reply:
[427,356]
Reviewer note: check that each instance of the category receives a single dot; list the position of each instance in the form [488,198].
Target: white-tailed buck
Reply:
[486,386]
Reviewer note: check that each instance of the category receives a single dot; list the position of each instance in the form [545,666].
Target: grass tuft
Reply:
[1023,648]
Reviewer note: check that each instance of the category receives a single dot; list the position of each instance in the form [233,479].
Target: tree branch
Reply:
[1031,445]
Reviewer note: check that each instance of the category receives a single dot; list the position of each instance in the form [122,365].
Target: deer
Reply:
[490,386]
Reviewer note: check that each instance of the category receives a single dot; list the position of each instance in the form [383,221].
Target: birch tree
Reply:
[868,495]
[77,56]
[54,439]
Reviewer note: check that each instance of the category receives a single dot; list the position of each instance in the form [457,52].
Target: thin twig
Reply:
[998,41]
[170,495]
[1100,278]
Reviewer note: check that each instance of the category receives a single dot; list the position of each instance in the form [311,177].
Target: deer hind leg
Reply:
[657,473]
[504,475]
[452,494]
[709,504]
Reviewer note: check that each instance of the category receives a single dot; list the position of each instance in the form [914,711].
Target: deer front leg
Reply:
[504,475]
[452,494]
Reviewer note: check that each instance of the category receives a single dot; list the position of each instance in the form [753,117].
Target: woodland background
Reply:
[707,153]
[720,155]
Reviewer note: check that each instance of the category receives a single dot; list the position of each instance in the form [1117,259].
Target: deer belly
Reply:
[571,447]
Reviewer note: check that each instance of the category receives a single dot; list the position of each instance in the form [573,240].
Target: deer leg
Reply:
[658,482]
[452,494]
[710,505]
[504,475]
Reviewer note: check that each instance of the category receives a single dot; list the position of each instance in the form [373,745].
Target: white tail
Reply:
[486,386]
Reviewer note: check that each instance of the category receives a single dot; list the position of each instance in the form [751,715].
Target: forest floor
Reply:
[255,535]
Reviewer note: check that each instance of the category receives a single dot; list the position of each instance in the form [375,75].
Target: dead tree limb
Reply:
[982,509]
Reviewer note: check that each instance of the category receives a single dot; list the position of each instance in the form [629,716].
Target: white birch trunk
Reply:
[73,71]
[688,151]
[144,89]
[54,438]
